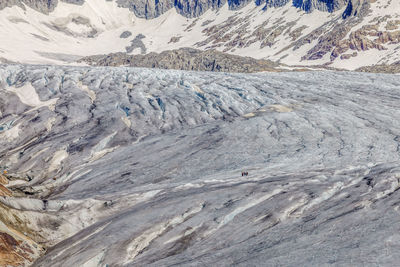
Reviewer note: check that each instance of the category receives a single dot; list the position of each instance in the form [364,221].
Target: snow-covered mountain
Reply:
[341,33]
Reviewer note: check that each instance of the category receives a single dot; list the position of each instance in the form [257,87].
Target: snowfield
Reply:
[139,167]
[284,34]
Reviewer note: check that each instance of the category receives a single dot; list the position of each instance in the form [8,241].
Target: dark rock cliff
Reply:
[193,8]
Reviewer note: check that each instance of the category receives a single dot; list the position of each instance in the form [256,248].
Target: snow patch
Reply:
[28,96]
[58,157]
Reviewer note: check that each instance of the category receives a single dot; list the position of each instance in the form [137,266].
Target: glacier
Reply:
[133,167]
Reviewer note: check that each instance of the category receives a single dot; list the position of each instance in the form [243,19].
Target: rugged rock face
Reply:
[8,255]
[185,59]
[16,246]
[382,68]
[13,252]
[357,33]
[44,6]
[147,8]
[4,190]
[266,30]
[323,5]
[357,8]
[368,37]
[352,6]
[193,8]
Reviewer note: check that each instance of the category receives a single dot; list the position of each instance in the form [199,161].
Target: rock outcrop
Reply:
[268,31]
[357,8]
[9,255]
[193,8]
[4,192]
[185,59]
[382,68]
[16,247]
[44,6]
[368,37]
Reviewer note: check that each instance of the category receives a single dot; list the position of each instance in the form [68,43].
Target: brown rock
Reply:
[9,255]
[185,59]
[4,191]
[345,56]
[174,39]
[383,68]
[3,179]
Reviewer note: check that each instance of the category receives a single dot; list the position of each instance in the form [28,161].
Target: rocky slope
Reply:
[194,8]
[185,59]
[44,6]
[383,68]
[340,33]
[17,239]
[125,166]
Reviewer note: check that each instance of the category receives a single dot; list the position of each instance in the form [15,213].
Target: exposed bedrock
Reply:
[193,8]
[183,59]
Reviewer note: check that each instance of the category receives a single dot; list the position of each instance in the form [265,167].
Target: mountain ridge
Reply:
[340,34]
[194,8]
